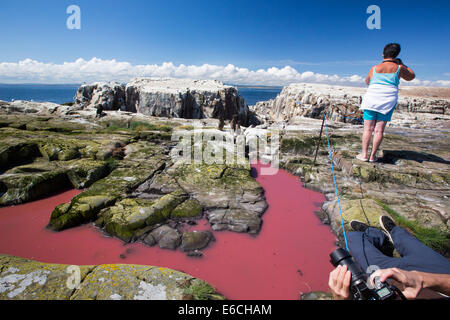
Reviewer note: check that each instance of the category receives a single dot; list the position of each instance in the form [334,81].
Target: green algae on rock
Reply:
[131,214]
[190,208]
[367,211]
[83,173]
[299,144]
[38,179]
[24,187]
[230,195]
[19,152]
[103,193]
[59,150]
[316,295]
[23,279]
[79,150]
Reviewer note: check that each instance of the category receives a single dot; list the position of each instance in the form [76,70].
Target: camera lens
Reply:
[343,257]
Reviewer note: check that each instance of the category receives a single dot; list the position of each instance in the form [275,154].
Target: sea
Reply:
[62,93]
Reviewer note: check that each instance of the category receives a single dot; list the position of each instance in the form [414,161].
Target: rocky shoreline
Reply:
[133,190]
[136,192]
[342,103]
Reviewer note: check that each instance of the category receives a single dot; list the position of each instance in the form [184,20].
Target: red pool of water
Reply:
[289,256]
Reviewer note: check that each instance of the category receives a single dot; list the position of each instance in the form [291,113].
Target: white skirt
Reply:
[380,98]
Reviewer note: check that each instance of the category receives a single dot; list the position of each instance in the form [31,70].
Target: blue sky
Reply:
[323,37]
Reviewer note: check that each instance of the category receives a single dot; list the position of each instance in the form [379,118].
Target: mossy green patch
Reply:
[200,290]
[143,150]
[83,208]
[84,172]
[155,136]
[432,237]
[303,167]
[24,187]
[17,153]
[136,126]
[106,190]
[55,125]
[365,210]
[59,149]
[299,145]
[185,127]
[406,176]
[128,215]
[235,177]
[190,208]
[143,126]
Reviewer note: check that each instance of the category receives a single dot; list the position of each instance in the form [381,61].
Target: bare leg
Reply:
[377,137]
[369,126]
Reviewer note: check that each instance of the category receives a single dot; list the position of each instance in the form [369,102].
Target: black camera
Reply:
[358,285]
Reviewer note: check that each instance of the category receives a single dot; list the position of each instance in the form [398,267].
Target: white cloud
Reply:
[80,70]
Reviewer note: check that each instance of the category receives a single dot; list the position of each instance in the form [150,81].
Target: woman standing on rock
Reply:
[381,98]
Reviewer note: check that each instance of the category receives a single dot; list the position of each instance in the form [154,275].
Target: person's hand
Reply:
[411,281]
[339,283]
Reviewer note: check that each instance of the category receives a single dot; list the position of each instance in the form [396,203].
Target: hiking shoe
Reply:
[387,224]
[358,225]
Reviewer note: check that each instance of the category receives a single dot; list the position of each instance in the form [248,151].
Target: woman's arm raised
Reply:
[406,73]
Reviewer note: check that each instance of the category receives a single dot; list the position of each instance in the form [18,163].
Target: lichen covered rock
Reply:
[24,187]
[23,279]
[13,153]
[230,195]
[365,210]
[83,173]
[190,208]
[104,192]
[129,215]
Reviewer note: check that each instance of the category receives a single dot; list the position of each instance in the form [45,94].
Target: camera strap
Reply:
[394,61]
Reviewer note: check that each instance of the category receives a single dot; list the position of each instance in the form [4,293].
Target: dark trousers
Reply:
[364,247]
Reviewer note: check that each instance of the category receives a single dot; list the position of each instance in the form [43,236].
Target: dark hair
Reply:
[391,50]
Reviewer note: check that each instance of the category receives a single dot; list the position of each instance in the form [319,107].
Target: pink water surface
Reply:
[289,256]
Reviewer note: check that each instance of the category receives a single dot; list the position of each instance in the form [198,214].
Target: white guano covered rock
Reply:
[167,97]
[185,98]
[342,103]
[110,95]
[311,100]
